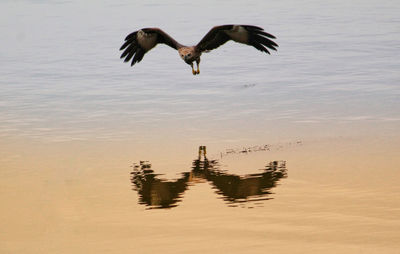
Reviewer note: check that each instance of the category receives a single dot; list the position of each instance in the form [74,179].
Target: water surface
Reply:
[74,119]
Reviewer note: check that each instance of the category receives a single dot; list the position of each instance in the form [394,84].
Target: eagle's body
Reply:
[138,43]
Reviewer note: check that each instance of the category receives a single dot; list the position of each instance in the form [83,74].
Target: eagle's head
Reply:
[187,54]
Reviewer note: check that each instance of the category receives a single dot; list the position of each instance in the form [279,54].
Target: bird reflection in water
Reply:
[156,192]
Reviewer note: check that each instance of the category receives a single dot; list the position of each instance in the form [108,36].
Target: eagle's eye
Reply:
[189,54]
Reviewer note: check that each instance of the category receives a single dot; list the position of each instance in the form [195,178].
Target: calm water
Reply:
[88,143]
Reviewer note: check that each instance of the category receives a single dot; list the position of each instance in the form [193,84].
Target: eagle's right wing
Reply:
[140,42]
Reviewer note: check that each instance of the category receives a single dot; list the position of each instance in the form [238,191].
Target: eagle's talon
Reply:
[194,72]
[198,72]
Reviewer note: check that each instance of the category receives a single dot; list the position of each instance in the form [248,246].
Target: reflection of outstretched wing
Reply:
[155,192]
[235,188]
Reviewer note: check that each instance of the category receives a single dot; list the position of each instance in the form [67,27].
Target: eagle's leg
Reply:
[198,66]
[193,71]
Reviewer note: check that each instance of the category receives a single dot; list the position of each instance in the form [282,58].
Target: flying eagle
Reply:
[138,43]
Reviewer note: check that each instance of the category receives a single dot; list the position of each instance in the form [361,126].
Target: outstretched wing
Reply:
[140,42]
[246,34]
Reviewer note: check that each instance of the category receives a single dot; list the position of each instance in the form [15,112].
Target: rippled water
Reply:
[74,118]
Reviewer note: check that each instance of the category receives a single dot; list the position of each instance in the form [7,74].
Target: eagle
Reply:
[138,43]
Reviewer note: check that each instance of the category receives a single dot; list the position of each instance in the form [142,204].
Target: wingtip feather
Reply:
[266,34]
[131,35]
[264,41]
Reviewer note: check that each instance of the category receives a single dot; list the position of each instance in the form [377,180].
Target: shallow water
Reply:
[75,120]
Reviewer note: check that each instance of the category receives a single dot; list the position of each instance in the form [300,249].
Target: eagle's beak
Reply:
[185,57]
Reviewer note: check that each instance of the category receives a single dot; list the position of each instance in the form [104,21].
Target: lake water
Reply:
[301,146]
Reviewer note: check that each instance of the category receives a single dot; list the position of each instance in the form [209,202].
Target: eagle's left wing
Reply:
[246,34]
